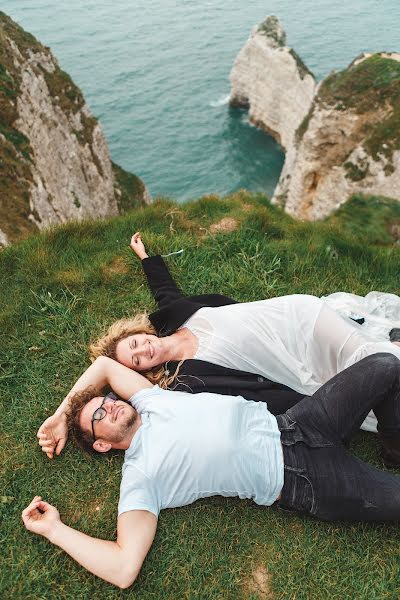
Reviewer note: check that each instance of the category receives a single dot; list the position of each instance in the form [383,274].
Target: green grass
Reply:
[61,288]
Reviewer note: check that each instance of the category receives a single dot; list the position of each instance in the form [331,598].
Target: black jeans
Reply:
[322,478]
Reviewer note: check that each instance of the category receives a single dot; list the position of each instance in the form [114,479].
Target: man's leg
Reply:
[331,484]
[336,411]
[321,476]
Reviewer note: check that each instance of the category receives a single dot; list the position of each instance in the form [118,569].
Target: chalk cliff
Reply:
[271,80]
[341,137]
[349,143]
[54,161]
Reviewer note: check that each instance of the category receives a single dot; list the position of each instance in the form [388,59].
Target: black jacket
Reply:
[197,375]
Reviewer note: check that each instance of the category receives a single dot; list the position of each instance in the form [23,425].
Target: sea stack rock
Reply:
[54,161]
[341,137]
[348,143]
[271,80]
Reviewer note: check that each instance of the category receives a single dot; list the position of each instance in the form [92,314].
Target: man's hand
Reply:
[138,246]
[40,517]
[53,434]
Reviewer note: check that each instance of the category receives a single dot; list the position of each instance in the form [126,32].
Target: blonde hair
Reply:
[106,345]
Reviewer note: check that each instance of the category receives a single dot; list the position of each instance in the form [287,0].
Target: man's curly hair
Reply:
[77,402]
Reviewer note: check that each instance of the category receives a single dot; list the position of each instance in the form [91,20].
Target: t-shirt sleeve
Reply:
[137,492]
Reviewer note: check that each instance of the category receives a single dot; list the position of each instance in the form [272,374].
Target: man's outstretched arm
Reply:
[117,562]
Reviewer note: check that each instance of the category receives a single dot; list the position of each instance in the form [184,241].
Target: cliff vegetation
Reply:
[363,87]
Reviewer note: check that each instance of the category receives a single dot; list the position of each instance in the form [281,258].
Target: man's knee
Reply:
[385,361]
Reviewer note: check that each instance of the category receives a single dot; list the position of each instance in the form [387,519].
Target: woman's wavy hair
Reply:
[106,345]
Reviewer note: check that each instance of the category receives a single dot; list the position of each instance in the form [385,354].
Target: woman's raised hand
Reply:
[138,246]
[53,434]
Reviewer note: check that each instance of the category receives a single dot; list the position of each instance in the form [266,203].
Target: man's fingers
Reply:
[32,506]
[43,439]
[44,506]
[60,446]
[48,450]
[45,436]
[47,442]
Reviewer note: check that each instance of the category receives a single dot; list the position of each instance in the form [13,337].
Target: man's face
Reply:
[117,423]
[140,351]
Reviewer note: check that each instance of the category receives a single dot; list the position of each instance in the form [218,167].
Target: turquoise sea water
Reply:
[156,75]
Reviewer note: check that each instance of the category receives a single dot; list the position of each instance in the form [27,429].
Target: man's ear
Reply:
[101,446]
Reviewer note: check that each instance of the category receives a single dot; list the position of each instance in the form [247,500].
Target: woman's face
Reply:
[140,351]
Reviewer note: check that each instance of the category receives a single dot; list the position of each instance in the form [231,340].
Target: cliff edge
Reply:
[341,137]
[54,160]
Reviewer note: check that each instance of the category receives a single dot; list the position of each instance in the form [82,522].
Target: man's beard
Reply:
[125,427]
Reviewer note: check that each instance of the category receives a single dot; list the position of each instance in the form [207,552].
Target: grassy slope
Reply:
[60,288]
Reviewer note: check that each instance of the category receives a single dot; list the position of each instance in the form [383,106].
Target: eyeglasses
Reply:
[101,412]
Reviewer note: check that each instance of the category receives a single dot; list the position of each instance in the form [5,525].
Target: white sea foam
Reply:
[245,120]
[220,102]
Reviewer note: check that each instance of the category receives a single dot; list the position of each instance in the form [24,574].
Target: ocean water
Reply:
[156,75]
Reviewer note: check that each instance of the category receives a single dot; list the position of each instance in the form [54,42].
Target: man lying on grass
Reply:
[180,447]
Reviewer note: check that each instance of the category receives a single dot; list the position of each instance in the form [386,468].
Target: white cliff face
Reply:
[270,79]
[331,133]
[55,161]
[72,176]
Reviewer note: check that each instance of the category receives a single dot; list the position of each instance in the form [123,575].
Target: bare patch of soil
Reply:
[394,230]
[225,225]
[117,267]
[259,584]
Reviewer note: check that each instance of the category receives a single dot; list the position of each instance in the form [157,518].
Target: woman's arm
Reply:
[103,371]
[117,562]
[160,282]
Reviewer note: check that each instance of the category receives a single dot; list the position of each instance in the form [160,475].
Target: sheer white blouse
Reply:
[297,340]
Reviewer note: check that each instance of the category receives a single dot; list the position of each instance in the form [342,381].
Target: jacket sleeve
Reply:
[160,282]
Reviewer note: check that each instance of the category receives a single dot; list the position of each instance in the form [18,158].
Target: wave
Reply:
[220,102]
[246,121]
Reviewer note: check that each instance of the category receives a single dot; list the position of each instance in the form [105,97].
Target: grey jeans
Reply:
[322,477]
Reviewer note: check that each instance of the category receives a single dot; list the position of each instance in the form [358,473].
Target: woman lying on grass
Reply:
[211,343]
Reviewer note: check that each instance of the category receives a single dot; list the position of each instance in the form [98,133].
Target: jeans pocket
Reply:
[298,492]
[305,496]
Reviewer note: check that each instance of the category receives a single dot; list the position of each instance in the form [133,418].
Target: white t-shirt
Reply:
[192,446]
